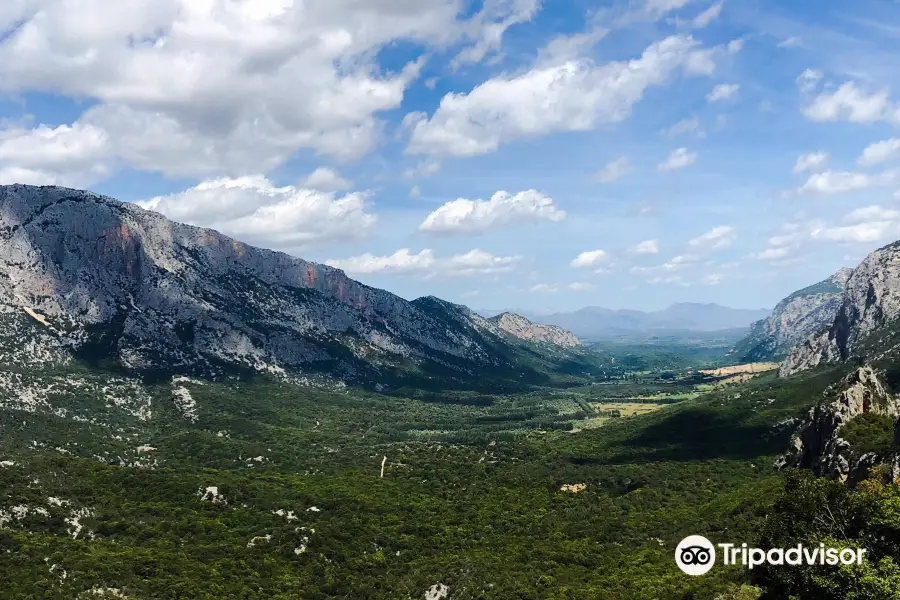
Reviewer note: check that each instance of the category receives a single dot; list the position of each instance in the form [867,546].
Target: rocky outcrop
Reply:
[817,444]
[795,319]
[107,280]
[523,329]
[867,316]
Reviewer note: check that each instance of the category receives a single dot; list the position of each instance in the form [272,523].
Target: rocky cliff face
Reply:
[865,324]
[795,319]
[523,329]
[817,443]
[87,275]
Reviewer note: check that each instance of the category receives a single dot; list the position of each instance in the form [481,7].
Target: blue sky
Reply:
[500,153]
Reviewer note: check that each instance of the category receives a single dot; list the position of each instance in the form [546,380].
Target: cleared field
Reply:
[759,367]
[627,409]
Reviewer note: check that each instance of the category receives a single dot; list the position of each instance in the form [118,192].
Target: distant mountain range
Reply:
[594,322]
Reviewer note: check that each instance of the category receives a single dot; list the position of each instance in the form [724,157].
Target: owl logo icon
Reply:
[695,555]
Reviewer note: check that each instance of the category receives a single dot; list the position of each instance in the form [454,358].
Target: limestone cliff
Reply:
[87,275]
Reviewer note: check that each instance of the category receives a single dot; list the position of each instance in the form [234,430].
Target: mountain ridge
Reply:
[109,280]
[795,318]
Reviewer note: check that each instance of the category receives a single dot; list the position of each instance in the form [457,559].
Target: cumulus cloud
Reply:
[712,279]
[879,152]
[810,162]
[717,238]
[646,247]
[475,216]
[572,95]
[614,170]
[680,158]
[581,286]
[544,288]
[852,104]
[590,258]
[723,91]
[201,89]
[426,263]
[830,183]
[326,179]
[254,210]
[74,156]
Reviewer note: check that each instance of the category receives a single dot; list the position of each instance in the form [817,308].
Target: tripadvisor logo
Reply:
[696,555]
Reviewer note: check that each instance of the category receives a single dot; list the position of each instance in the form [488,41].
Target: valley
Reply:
[186,417]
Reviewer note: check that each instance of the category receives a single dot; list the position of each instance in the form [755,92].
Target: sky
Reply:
[495,153]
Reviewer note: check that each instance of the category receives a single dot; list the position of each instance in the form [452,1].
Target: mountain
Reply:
[594,322]
[866,326]
[521,328]
[796,318]
[86,276]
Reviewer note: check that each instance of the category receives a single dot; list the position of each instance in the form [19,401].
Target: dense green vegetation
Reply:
[472,496]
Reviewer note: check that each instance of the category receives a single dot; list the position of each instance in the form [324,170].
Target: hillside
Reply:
[865,328]
[794,319]
[88,277]
[523,329]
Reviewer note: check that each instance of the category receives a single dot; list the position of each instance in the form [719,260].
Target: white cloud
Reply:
[544,288]
[791,42]
[74,156]
[252,209]
[670,280]
[713,279]
[680,158]
[590,258]
[200,89]
[708,16]
[859,233]
[773,253]
[735,46]
[646,247]
[879,152]
[849,103]
[717,238]
[723,91]
[691,125]
[326,180]
[614,170]
[474,216]
[837,182]
[415,193]
[581,286]
[810,161]
[574,95]
[403,262]
[808,80]
[490,24]
[872,213]
[426,168]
